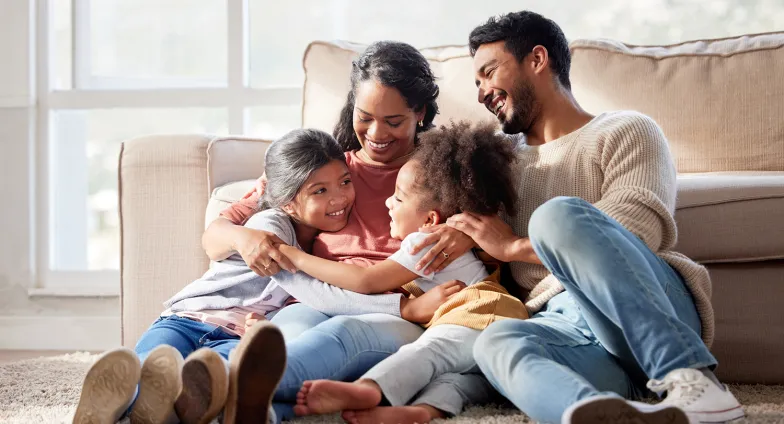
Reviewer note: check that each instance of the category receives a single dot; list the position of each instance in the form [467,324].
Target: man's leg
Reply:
[546,363]
[635,303]
[627,294]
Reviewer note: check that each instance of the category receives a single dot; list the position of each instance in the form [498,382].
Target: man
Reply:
[612,306]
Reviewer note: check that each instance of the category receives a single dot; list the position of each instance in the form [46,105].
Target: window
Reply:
[110,70]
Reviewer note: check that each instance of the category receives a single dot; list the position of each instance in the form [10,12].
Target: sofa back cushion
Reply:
[718,101]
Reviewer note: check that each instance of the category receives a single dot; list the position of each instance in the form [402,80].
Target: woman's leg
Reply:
[295,319]
[341,348]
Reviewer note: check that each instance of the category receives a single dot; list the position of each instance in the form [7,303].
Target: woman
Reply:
[392,99]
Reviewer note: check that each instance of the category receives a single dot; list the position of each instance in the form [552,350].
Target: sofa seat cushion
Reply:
[731,217]
[722,217]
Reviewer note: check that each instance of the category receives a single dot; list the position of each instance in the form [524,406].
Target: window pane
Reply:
[83,176]
[62,44]
[441,22]
[154,43]
[271,122]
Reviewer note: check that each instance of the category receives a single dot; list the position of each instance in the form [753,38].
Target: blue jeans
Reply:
[186,336]
[340,348]
[626,316]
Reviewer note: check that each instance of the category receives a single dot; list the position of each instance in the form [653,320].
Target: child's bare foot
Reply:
[391,415]
[327,396]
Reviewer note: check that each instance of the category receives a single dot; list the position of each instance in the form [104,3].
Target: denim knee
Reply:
[553,222]
[495,337]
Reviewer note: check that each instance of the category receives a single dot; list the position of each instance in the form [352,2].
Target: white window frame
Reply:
[90,92]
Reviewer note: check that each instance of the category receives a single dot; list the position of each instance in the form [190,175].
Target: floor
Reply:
[7,356]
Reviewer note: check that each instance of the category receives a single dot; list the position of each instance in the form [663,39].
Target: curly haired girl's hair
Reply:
[466,168]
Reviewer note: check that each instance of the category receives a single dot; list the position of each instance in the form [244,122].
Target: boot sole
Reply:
[204,387]
[159,387]
[255,370]
[108,388]
[618,411]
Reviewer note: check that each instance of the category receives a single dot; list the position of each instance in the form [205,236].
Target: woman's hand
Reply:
[421,309]
[258,250]
[450,244]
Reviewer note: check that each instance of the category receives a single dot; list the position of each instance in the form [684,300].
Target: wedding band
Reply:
[446,255]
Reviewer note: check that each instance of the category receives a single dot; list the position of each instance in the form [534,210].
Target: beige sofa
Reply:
[720,103]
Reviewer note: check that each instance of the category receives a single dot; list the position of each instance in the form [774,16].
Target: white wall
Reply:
[51,323]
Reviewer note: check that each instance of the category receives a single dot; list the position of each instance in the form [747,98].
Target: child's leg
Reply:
[450,393]
[205,379]
[440,350]
[183,334]
[444,397]
[161,350]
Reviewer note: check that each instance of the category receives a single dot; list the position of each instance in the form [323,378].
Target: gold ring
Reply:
[446,255]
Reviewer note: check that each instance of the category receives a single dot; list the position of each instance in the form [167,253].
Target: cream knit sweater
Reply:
[620,162]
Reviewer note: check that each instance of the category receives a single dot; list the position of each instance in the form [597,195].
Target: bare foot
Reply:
[390,415]
[327,396]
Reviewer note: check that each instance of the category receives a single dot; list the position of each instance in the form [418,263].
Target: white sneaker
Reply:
[606,409]
[698,396]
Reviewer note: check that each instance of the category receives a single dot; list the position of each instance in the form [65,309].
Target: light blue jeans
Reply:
[626,316]
[344,348]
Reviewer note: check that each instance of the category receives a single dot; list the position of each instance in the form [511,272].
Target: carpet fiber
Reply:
[46,390]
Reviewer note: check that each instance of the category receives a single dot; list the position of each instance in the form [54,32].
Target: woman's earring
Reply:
[421,123]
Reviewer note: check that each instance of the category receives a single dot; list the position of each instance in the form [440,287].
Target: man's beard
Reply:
[524,112]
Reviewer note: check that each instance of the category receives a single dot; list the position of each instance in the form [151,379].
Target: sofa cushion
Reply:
[728,93]
[731,217]
[328,68]
[718,101]
[722,217]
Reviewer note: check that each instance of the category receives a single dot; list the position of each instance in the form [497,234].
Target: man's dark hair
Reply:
[521,32]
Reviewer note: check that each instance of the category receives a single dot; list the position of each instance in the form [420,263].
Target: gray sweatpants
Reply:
[441,362]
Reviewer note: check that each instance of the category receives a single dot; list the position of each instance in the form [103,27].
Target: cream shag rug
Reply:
[46,390]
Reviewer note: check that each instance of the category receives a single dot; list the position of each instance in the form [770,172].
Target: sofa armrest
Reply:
[165,183]
[163,194]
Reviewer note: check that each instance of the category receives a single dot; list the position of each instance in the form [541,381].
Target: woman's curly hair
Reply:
[466,168]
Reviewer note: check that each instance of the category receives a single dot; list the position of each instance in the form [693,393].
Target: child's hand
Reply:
[252,318]
[422,309]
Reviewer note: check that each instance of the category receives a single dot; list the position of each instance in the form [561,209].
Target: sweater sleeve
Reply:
[333,300]
[317,294]
[639,187]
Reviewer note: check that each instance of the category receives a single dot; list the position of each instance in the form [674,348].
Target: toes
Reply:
[301,410]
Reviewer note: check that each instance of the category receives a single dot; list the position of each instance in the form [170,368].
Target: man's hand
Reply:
[421,309]
[450,244]
[491,234]
[259,252]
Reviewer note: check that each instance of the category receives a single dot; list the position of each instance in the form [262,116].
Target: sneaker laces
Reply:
[683,388]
